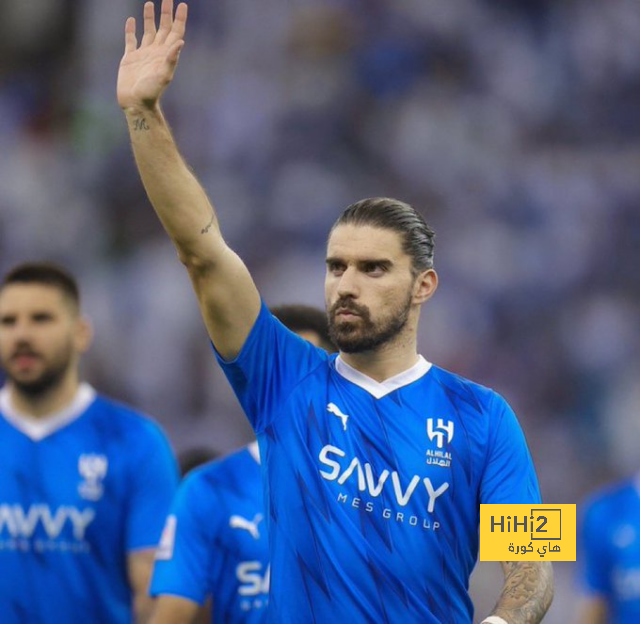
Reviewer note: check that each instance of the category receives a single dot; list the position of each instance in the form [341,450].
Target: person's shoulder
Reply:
[221,465]
[219,475]
[461,389]
[118,416]
[201,478]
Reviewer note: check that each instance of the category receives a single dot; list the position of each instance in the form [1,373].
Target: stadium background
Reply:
[513,126]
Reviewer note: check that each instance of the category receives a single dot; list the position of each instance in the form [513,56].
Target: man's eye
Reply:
[42,318]
[374,269]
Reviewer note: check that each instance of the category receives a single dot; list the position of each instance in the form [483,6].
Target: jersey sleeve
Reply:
[154,480]
[509,476]
[594,569]
[183,562]
[272,361]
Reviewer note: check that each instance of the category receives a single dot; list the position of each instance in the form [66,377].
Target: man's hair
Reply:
[418,239]
[46,273]
[194,457]
[305,318]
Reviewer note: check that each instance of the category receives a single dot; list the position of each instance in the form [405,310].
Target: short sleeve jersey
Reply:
[373,489]
[78,493]
[215,541]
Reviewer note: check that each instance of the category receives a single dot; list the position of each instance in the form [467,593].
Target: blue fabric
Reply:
[610,550]
[373,507]
[72,506]
[219,545]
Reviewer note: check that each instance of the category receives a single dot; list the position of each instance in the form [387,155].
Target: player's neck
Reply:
[385,362]
[49,402]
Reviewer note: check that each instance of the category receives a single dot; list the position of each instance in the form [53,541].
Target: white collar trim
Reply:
[41,427]
[379,389]
[254,450]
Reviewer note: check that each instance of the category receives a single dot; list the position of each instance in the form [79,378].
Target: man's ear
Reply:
[84,334]
[425,285]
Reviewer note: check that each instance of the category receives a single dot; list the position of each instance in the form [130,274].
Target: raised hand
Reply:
[146,71]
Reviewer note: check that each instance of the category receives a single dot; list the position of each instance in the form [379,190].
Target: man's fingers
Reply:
[130,41]
[166,20]
[180,21]
[149,24]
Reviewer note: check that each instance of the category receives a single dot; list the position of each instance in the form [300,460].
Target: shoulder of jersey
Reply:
[461,388]
[122,416]
[222,465]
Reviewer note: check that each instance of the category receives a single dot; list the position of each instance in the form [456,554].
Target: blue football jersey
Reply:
[215,541]
[610,544]
[79,491]
[373,489]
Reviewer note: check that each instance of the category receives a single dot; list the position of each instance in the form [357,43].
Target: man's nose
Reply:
[20,332]
[348,284]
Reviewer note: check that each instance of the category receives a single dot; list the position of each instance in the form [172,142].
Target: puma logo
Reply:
[238,522]
[332,408]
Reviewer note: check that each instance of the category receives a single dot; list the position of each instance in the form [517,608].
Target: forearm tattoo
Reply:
[140,124]
[527,592]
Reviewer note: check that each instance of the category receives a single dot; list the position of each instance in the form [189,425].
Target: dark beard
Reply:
[365,335]
[39,387]
[50,377]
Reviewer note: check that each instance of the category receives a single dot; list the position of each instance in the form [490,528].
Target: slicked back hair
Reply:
[47,273]
[305,318]
[418,239]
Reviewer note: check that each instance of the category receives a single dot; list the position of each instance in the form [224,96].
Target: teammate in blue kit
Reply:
[215,540]
[85,482]
[374,461]
[610,557]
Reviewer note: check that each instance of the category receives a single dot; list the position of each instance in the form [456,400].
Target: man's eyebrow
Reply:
[42,314]
[386,262]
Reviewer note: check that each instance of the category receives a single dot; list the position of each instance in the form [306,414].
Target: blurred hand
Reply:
[146,71]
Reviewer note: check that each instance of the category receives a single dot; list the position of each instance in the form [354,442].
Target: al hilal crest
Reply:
[442,433]
[93,469]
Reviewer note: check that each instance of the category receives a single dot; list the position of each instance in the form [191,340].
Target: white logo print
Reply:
[93,468]
[253,587]
[23,523]
[439,431]
[167,539]
[238,522]
[372,484]
[332,408]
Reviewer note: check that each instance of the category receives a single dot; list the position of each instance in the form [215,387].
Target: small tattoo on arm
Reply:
[205,229]
[527,592]
[140,124]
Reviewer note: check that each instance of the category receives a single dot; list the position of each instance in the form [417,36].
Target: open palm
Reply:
[146,71]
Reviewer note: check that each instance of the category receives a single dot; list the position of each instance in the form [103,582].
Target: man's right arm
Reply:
[228,298]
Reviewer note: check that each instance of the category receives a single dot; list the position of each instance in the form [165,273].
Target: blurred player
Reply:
[215,543]
[610,558]
[375,462]
[84,482]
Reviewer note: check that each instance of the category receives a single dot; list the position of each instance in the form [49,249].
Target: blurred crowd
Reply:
[512,125]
